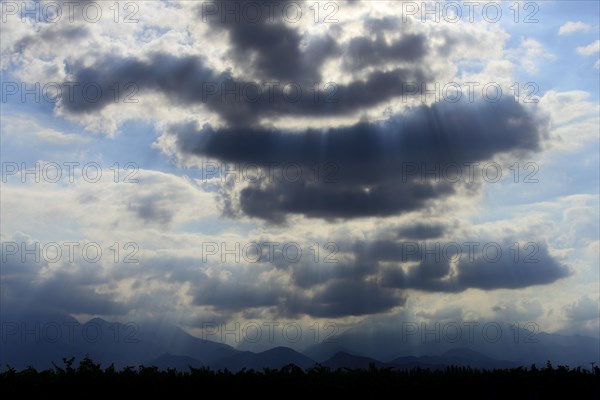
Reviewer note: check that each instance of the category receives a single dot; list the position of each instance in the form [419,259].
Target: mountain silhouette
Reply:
[350,361]
[460,357]
[168,346]
[274,359]
[516,345]
[170,361]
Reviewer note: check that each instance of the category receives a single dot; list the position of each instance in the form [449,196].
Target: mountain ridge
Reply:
[168,346]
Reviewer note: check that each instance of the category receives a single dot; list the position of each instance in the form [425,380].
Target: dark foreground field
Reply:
[90,379]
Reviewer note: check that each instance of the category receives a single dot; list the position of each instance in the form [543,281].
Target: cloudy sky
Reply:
[317,163]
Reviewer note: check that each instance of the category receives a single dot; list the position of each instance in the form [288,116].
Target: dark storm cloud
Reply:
[309,274]
[276,201]
[442,133]
[275,49]
[285,62]
[329,289]
[506,273]
[53,35]
[366,277]
[335,298]
[29,286]
[347,297]
[425,266]
[265,42]
[426,276]
[331,99]
[241,290]
[180,78]
[372,162]
[584,309]
[379,25]
[186,81]
[422,231]
[373,49]
[362,52]
[64,292]
[486,272]
[359,283]
[333,290]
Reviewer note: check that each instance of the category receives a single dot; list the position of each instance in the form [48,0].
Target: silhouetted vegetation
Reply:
[89,378]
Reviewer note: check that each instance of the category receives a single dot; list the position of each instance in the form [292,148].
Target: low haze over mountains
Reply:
[168,346]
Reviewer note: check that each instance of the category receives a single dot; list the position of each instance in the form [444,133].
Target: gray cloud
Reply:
[362,52]
[267,44]
[152,209]
[421,231]
[179,78]
[240,291]
[69,292]
[347,297]
[365,277]
[371,160]
[366,164]
[53,35]
[485,272]
[506,273]
[584,309]
[186,80]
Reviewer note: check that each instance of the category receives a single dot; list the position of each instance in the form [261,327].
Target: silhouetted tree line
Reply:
[90,379]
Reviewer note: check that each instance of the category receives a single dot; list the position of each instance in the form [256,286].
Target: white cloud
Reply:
[590,49]
[103,210]
[529,55]
[572,27]
[573,117]
[52,135]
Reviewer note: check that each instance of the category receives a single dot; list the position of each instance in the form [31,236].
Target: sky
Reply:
[325,165]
